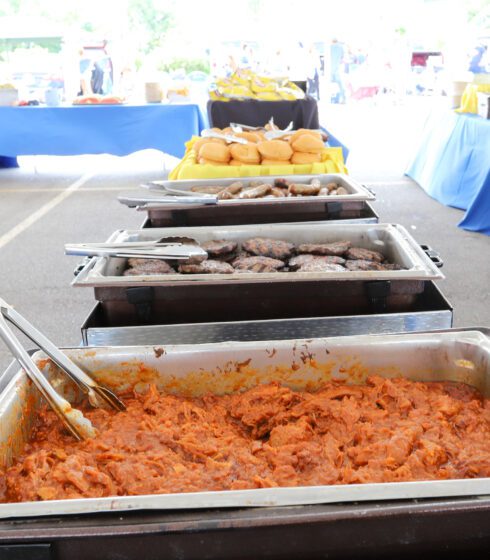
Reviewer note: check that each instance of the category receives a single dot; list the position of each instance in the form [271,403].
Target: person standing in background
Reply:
[336,59]
[299,66]
[85,67]
[245,60]
[477,60]
[313,77]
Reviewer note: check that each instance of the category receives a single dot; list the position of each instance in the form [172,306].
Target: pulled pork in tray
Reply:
[260,254]
[384,431]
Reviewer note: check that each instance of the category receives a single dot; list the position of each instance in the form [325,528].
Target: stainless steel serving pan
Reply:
[391,239]
[356,192]
[198,369]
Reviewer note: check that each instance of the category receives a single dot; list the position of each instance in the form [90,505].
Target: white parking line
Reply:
[40,212]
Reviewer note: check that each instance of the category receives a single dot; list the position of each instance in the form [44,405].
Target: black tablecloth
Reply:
[303,113]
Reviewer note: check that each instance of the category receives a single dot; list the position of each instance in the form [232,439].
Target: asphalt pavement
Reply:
[52,201]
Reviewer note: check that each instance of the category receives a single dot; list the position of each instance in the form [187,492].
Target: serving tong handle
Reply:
[142,250]
[55,401]
[73,419]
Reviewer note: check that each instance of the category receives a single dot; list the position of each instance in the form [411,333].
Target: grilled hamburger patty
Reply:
[299,260]
[363,265]
[218,247]
[207,267]
[273,248]
[148,266]
[357,253]
[337,248]
[320,266]
[258,264]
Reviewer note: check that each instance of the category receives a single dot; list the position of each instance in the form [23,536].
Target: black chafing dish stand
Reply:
[451,528]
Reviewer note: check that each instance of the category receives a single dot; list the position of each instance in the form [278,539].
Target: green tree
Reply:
[154,19]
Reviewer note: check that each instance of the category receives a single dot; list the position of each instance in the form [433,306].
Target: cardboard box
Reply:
[483,104]
[8,96]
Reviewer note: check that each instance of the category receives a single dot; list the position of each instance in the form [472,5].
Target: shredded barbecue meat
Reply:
[384,431]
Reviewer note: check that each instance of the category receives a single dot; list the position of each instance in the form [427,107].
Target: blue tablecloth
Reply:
[98,129]
[452,165]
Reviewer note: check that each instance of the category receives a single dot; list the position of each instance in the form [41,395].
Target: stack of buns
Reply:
[300,147]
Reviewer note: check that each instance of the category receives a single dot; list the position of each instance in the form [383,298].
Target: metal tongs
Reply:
[238,127]
[76,423]
[139,250]
[208,133]
[277,133]
[171,194]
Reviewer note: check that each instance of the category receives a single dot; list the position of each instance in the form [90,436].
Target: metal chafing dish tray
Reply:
[431,311]
[392,240]
[356,191]
[238,215]
[267,295]
[352,206]
[199,369]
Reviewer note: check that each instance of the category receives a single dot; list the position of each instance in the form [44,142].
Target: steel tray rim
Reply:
[266,497]
[360,192]
[260,497]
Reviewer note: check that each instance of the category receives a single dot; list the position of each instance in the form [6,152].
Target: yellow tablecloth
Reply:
[188,168]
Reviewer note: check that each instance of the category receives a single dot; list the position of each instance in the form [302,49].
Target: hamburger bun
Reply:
[204,161]
[246,153]
[302,131]
[250,136]
[275,150]
[275,162]
[300,157]
[215,152]
[199,143]
[306,143]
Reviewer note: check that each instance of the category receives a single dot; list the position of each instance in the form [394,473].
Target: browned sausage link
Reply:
[279,193]
[256,192]
[230,191]
[207,190]
[283,183]
[304,190]
[225,194]
[235,187]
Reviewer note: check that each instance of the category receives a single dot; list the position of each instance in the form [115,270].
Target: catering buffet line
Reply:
[237,326]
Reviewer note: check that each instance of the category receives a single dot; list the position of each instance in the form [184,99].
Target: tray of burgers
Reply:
[262,199]
[252,272]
